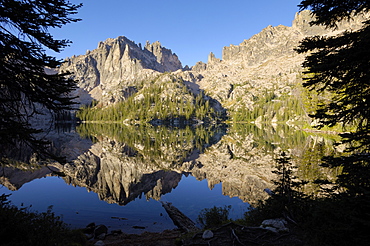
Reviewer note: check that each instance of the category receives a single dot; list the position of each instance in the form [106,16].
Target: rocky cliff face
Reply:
[152,164]
[25,165]
[117,64]
[265,62]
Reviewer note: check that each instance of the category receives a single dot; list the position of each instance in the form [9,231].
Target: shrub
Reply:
[211,217]
[19,226]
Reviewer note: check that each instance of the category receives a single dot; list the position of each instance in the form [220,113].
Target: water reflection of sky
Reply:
[79,207]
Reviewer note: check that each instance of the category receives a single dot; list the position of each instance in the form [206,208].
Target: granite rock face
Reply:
[280,41]
[15,178]
[265,62]
[117,64]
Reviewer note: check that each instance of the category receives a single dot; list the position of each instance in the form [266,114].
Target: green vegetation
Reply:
[340,66]
[309,160]
[20,226]
[318,219]
[268,107]
[321,219]
[213,217]
[158,99]
[295,107]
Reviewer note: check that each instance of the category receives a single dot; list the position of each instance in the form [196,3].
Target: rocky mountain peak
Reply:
[265,62]
[165,57]
[212,58]
[118,62]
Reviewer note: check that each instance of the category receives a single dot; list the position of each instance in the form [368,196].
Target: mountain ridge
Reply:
[246,73]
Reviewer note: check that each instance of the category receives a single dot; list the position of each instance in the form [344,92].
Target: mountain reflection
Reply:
[127,161]
[121,163]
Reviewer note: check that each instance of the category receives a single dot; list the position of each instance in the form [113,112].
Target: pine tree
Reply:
[25,86]
[339,65]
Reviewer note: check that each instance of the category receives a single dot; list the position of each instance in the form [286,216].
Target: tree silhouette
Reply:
[330,12]
[340,65]
[26,88]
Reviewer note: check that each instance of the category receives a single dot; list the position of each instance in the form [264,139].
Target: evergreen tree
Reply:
[25,86]
[339,64]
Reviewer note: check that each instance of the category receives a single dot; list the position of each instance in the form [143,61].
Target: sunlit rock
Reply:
[115,65]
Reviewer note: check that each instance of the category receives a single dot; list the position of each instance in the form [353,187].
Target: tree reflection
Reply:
[160,145]
[122,162]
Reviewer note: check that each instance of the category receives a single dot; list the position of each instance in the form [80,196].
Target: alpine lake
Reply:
[118,175]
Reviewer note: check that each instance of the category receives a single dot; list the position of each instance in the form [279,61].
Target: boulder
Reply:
[100,232]
[99,243]
[89,230]
[275,225]
[207,234]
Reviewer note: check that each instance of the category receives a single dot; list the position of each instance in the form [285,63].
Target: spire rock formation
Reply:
[117,64]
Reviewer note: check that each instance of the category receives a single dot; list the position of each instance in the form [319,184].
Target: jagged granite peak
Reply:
[118,63]
[270,42]
[199,66]
[165,57]
[281,40]
[265,62]
[212,58]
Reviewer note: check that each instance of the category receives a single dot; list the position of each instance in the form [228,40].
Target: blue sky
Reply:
[191,29]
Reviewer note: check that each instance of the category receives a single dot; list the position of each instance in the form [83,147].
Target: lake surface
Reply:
[118,175]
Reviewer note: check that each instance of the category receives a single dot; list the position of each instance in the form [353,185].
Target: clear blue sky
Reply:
[191,29]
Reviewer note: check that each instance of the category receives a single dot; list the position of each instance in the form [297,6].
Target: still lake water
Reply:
[118,175]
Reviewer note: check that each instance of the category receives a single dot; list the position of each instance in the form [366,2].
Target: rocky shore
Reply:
[229,234]
[270,232]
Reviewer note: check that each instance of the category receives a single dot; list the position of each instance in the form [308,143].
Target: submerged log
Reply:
[179,219]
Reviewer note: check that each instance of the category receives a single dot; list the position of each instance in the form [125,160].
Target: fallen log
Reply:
[179,219]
